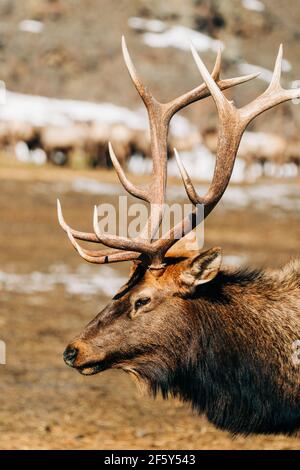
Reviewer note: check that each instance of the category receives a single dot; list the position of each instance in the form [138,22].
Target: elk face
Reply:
[143,329]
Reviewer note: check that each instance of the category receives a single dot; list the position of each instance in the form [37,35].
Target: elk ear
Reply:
[202,268]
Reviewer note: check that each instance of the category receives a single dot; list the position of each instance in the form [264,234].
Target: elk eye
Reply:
[140,302]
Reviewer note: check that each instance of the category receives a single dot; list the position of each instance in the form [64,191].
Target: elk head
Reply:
[145,320]
[147,327]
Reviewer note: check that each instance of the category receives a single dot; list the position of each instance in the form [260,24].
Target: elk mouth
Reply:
[115,361]
[96,366]
[92,368]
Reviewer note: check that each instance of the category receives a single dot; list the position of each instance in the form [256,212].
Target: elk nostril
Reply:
[70,355]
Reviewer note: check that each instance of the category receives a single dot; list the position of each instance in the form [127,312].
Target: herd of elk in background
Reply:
[219,338]
[85,144]
[61,144]
[270,153]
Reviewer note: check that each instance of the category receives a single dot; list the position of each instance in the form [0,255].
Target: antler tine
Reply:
[223,105]
[141,88]
[202,91]
[217,67]
[103,256]
[275,82]
[91,253]
[272,96]
[89,237]
[130,187]
[189,187]
[230,131]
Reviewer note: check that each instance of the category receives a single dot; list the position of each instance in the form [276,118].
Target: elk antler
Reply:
[233,123]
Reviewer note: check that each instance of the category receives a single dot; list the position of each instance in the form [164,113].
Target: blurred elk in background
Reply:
[58,142]
[293,152]
[220,339]
[12,132]
[264,149]
[267,150]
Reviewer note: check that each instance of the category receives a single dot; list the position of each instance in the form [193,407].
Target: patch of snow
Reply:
[141,24]
[180,38]
[83,282]
[264,74]
[90,186]
[253,5]
[31,26]
[41,111]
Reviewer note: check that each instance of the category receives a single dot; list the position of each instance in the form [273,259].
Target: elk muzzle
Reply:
[87,359]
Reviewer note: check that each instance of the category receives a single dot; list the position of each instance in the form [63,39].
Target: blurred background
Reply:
[64,93]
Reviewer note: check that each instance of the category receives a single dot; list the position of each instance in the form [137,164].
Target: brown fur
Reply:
[218,338]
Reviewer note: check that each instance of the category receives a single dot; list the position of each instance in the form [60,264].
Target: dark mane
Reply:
[219,288]
[221,377]
[241,276]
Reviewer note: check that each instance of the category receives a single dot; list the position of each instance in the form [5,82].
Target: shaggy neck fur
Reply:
[237,367]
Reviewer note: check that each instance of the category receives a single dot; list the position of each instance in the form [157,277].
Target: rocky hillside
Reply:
[71,48]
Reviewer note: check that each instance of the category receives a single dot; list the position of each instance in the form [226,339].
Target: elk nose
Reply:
[70,355]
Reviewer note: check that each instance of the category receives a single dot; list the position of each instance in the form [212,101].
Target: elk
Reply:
[260,148]
[184,325]
[96,145]
[64,140]
[292,153]
[12,132]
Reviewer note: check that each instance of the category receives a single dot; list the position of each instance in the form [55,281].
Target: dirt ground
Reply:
[46,405]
